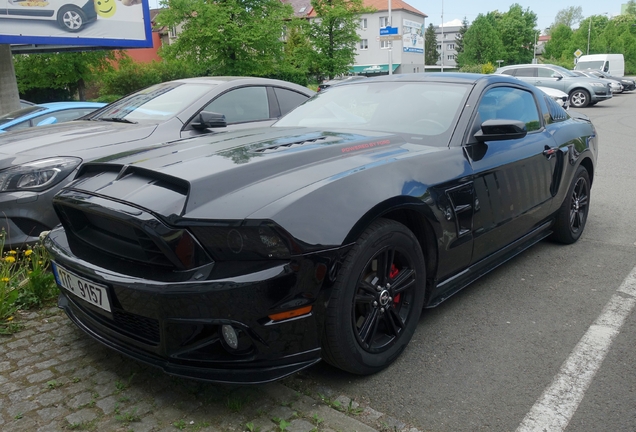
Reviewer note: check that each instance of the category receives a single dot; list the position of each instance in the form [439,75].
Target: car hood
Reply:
[76,138]
[232,175]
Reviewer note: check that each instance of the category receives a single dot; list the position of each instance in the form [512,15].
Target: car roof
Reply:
[56,106]
[448,77]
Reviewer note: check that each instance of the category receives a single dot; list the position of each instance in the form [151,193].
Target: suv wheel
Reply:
[579,98]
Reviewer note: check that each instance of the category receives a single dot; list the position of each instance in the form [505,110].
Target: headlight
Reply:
[37,175]
[244,243]
[597,84]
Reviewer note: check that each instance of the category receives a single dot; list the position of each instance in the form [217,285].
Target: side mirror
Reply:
[207,119]
[47,121]
[501,129]
[557,76]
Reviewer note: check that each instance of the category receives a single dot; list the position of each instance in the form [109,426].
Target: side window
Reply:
[545,73]
[288,99]
[526,72]
[607,67]
[242,105]
[509,72]
[510,104]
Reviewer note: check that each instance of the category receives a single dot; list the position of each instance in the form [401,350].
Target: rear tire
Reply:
[376,301]
[571,217]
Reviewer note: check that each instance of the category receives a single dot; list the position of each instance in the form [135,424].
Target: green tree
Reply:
[631,7]
[334,35]
[569,16]
[430,41]
[63,70]
[459,39]
[481,43]
[560,42]
[516,30]
[227,37]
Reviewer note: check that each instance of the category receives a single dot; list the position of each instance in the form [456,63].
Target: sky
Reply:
[545,10]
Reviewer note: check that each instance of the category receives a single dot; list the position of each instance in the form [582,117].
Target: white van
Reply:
[613,64]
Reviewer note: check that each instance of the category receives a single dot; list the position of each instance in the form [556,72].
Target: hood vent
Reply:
[289,145]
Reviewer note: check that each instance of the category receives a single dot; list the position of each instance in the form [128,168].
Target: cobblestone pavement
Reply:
[53,377]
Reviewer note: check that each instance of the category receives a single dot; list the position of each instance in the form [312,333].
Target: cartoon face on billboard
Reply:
[105,8]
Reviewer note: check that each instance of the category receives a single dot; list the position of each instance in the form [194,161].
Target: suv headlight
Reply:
[597,84]
[38,175]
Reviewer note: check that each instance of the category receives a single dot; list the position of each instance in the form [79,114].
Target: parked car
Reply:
[558,96]
[615,86]
[335,81]
[70,15]
[48,113]
[627,83]
[583,91]
[36,163]
[244,257]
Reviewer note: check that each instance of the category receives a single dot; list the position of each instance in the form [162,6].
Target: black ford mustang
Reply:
[246,256]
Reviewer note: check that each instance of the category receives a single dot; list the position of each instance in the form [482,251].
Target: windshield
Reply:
[6,118]
[153,104]
[563,71]
[589,65]
[395,107]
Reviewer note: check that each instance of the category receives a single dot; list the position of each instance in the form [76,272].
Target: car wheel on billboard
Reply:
[71,18]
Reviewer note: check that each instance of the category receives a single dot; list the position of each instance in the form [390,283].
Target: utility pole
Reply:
[390,44]
[442,69]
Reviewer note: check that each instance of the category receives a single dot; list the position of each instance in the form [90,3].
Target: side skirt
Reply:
[448,287]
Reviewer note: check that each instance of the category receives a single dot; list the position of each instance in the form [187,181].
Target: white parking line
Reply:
[558,403]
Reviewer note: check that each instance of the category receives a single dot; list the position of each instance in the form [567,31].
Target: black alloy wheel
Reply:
[572,215]
[377,300]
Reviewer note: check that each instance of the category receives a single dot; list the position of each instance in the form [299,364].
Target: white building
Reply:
[446,46]
[373,54]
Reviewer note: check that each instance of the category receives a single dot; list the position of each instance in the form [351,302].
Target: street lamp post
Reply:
[534,49]
[589,30]
[442,68]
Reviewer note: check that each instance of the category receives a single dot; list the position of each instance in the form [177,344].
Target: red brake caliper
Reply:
[392,274]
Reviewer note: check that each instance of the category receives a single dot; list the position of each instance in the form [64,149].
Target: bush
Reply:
[487,68]
[471,68]
[131,76]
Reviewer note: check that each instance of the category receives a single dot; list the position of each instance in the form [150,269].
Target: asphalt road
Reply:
[481,360]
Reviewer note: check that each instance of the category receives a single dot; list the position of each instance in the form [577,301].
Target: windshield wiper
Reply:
[116,119]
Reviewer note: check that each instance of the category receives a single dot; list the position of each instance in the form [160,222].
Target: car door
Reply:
[547,77]
[512,178]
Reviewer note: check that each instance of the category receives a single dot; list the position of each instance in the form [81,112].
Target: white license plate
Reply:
[89,291]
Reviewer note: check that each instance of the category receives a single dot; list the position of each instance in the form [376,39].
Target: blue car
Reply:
[48,113]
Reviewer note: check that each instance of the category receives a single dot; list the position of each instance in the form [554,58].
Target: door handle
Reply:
[550,151]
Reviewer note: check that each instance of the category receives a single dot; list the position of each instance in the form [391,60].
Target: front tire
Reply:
[571,217]
[579,98]
[71,18]
[376,301]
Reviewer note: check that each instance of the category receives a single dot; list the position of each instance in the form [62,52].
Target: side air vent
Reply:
[289,145]
[557,113]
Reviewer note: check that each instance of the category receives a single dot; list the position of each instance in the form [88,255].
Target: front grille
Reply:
[137,325]
[113,236]
[29,227]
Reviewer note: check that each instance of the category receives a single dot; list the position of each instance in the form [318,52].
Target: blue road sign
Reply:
[385,31]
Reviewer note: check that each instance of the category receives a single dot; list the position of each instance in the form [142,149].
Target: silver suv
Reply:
[582,91]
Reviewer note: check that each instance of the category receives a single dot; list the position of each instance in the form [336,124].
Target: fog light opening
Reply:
[229,336]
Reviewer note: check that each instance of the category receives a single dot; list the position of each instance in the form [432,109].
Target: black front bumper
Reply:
[176,326]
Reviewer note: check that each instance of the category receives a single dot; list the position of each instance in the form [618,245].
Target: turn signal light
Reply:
[290,314]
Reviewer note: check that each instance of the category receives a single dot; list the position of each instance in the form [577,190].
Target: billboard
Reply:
[104,23]
[412,37]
